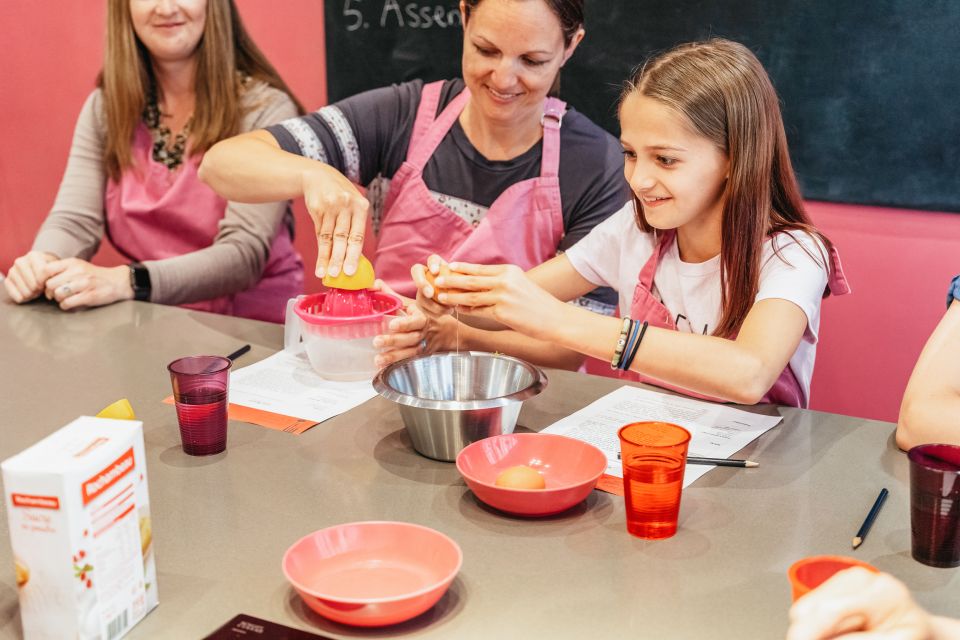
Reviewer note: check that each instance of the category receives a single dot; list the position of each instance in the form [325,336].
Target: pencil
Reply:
[239,352]
[722,462]
[865,527]
[719,462]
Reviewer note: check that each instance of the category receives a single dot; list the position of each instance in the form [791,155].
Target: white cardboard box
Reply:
[79,517]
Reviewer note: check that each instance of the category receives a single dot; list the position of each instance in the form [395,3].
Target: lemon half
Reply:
[119,410]
[362,279]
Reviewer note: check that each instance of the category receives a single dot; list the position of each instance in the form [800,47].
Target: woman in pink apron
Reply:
[471,168]
[725,269]
[523,226]
[132,173]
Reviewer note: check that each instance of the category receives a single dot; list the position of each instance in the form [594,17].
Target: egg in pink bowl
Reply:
[372,574]
[570,470]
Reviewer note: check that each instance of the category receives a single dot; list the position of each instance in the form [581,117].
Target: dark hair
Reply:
[568,12]
[723,91]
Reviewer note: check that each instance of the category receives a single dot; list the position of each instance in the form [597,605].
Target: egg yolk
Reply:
[521,477]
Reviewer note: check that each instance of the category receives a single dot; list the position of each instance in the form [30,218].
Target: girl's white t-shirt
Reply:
[613,254]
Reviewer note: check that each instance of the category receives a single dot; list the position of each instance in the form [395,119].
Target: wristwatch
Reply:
[139,281]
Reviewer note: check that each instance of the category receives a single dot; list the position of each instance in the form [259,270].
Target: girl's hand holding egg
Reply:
[424,277]
[442,271]
[502,293]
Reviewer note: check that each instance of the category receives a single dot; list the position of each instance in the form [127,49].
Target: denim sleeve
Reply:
[954,292]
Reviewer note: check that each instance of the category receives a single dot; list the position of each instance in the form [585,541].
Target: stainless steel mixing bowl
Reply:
[449,400]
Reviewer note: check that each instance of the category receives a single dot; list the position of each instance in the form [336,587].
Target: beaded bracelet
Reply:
[621,342]
[632,352]
[631,341]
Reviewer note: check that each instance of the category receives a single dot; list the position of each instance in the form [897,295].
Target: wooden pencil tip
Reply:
[857,542]
[751,463]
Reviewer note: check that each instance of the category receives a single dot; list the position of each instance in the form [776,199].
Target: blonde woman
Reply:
[178,76]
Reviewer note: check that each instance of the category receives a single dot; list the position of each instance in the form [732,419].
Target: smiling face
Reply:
[512,51]
[677,174]
[169,29]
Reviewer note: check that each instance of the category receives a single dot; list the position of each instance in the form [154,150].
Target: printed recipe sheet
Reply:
[717,431]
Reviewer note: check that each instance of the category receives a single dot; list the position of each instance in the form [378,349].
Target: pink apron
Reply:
[523,226]
[645,306]
[157,213]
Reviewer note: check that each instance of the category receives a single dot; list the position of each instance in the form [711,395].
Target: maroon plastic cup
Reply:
[200,393]
[935,504]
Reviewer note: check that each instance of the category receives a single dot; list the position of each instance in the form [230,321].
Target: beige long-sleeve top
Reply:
[238,255]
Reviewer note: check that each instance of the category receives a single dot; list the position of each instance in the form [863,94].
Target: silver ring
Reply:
[67,290]
[423,345]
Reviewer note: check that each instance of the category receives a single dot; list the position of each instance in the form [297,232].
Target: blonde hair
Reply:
[225,56]
[725,94]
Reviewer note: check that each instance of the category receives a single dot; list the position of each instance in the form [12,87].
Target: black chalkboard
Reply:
[869,88]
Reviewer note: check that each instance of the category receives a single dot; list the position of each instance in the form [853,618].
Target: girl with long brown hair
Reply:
[178,76]
[720,271]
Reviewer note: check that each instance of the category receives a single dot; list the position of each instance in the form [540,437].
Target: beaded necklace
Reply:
[163,152]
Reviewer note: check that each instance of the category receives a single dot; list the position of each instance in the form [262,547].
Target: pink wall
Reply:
[899,262]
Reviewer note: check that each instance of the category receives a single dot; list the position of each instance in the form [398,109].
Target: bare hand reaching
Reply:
[339,214]
[862,604]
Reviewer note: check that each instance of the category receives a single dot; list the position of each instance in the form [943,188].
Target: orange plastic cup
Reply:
[809,573]
[654,456]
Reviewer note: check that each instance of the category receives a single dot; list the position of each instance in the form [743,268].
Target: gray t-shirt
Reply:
[366,137]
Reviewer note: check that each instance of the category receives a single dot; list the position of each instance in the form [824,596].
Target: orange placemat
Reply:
[610,484]
[270,420]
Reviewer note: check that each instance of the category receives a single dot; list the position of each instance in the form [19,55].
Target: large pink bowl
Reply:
[570,468]
[372,573]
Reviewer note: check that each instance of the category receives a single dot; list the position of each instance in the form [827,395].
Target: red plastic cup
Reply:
[200,394]
[654,456]
[935,504]
[809,573]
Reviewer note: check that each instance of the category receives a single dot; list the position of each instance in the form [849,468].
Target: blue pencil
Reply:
[239,352]
[865,527]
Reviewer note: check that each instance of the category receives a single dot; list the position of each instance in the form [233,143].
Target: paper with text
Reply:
[716,430]
[285,384]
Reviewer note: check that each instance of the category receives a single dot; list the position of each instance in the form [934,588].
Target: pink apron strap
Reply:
[553,111]
[645,279]
[426,112]
[837,280]
[429,132]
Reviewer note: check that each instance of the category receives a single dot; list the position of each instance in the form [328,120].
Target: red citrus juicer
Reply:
[349,308]
[338,325]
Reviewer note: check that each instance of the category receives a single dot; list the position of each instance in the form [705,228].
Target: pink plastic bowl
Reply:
[569,467]
[372,573]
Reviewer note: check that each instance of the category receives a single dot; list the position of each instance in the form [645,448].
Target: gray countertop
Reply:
[222,523]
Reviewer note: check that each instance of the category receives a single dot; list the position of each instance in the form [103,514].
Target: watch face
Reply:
[139,281]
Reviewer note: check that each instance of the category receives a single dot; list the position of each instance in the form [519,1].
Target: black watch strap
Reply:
[139,281]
